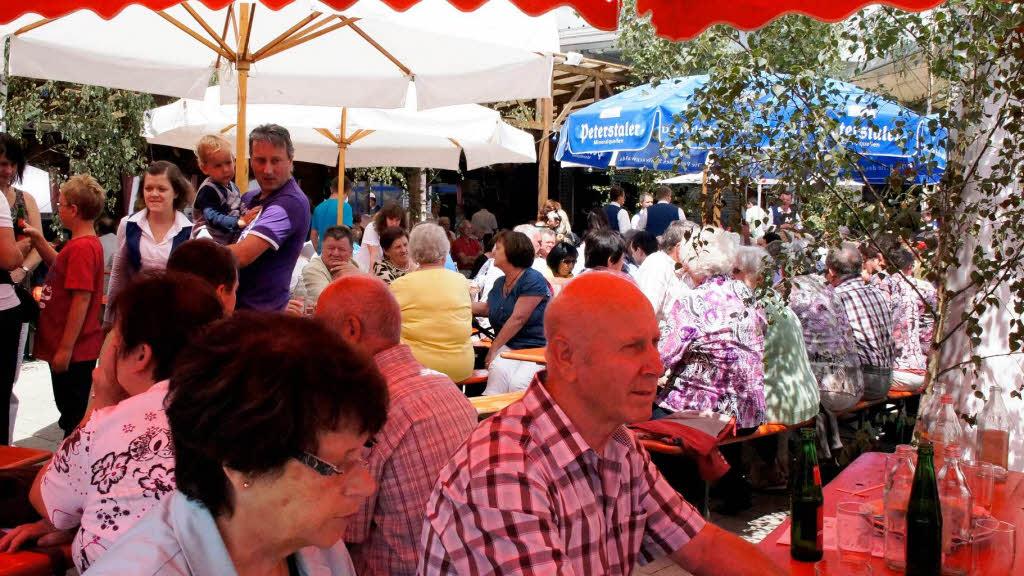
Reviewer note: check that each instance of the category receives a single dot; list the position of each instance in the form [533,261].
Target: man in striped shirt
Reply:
[870,316]
[555,483]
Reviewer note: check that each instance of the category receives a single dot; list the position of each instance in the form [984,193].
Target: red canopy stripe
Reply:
[673,19]
[686,19]
[602,14]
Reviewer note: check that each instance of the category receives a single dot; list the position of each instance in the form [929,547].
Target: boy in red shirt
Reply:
[70,334]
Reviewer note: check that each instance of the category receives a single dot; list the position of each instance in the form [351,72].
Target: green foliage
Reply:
[970,49]
[95,130]
[788,44]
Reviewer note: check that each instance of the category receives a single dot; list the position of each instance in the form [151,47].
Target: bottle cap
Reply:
[925,448]
[947,399]
[951,450]
[905,449]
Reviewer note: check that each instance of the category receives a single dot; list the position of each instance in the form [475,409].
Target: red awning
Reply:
[673,19]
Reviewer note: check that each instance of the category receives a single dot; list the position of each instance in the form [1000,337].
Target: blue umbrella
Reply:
[627,129]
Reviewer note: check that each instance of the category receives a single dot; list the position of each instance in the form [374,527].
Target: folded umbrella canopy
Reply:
[300,52]
[432,138]
[631,130]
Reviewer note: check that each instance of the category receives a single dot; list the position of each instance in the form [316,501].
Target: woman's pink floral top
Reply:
[714,352]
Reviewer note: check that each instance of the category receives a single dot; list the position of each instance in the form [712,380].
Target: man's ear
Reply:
[562,356]
[352,328]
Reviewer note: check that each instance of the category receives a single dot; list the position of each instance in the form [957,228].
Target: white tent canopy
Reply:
[362,57]
[37,183]
[403,137]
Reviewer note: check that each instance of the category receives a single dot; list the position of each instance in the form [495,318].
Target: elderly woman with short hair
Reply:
[714,345]
[790,390]
[270,445]
[437,321]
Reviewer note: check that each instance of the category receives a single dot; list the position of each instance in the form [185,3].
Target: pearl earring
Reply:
[245,484]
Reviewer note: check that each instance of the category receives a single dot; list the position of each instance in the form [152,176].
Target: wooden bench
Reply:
[473,385]
[488,405]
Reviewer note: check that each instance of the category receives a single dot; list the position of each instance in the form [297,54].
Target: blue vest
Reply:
[133,235]
[612,212]
[659,216]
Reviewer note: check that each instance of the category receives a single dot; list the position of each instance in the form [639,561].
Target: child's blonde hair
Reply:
[210,144]
[85,192]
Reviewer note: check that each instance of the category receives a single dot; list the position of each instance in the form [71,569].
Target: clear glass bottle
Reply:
[955,500]
[899,481]
[993,443]
[930,409]
[945,431]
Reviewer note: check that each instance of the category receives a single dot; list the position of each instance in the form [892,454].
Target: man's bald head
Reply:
[367,300]
[593,303]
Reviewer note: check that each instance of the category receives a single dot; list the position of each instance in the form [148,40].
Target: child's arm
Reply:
[220,220]
[208,200]
[80,300]
[43,248]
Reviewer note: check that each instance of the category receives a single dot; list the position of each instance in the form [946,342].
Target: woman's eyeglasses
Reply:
[325,468]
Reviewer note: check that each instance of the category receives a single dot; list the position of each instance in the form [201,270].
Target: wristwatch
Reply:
[27,271]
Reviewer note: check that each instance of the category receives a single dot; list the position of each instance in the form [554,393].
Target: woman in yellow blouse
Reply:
[435,303]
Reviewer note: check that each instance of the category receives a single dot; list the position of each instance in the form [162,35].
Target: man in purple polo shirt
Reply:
[270,245]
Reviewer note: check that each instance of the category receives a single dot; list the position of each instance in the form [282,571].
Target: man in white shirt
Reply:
[484,223]
[658,277]
[757,221]
[646,201]
[618,218]
[533,233]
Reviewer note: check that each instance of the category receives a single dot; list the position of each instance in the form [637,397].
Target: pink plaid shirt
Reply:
[428,419]
[526,495]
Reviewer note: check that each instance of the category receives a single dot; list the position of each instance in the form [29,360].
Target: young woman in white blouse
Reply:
[145,239]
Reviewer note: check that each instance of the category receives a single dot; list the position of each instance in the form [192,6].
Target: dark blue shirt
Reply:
[531,283]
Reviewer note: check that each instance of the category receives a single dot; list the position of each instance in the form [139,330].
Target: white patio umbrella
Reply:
[305,53]
[432,138]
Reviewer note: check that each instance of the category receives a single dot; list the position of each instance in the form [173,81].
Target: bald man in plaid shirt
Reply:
[428,418]
[555,483]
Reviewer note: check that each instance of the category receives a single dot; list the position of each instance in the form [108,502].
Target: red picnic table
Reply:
[13,456]
[867,472]
[39,561]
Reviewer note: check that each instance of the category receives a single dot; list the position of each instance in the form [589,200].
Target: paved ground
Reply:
[36,427]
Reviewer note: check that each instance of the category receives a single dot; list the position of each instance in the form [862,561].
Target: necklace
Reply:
[506,289]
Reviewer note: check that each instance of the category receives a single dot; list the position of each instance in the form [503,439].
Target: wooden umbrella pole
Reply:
[242,62]
[342,146]
[241,162]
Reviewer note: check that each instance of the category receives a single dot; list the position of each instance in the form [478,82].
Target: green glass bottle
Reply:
[807,501]
[924,518]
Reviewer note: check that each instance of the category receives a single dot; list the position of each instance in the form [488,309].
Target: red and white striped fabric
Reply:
[673,19]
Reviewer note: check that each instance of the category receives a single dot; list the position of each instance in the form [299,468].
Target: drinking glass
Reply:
[854,530]
[981,479]
[842,568]
[992,550]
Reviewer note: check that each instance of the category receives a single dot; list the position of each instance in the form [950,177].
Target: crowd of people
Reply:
[322,424]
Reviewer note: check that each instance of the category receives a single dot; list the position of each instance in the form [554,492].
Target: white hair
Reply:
[531,231]
[712,252]
[751,260]
[546,232]
[428,244]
